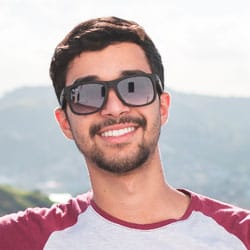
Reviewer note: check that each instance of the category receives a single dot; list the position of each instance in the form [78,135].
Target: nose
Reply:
[114,106]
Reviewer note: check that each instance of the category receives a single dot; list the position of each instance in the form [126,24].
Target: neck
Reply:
[133,196]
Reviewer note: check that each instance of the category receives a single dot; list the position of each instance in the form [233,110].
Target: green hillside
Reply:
[14,200]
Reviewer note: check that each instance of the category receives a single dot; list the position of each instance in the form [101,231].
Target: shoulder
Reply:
[31,228]
[234,219]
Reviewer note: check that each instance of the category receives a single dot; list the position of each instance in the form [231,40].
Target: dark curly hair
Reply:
[97,34]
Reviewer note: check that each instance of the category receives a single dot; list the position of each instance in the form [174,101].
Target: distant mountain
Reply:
[14,200]
[205,146]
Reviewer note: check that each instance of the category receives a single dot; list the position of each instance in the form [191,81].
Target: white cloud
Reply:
[205,44]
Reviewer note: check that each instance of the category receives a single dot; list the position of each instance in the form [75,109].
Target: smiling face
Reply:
[118,138]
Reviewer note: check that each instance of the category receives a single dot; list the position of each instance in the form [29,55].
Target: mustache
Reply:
[122,120]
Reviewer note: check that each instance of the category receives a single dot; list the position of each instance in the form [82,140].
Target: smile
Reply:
[119,132]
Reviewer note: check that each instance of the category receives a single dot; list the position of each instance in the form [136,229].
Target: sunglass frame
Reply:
[65,96]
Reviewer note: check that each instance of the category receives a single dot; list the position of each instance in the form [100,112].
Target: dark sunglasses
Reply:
[87,97]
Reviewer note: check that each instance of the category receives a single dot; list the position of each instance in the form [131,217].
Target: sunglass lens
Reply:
[136,90]
[87,98]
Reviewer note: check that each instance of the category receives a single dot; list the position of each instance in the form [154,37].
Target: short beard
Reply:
[115,164]
[121,166]
[126,164]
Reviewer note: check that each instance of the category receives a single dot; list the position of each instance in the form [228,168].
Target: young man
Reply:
[108,78]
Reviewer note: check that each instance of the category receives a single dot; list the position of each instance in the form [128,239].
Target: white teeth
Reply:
[118,132]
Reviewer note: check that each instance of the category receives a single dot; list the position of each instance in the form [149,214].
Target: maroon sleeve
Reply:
[235,220]
[30,230]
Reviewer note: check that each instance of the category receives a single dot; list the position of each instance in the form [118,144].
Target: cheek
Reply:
[80,127]
[153,116]
[79,131]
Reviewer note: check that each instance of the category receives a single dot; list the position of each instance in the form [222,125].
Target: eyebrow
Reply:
[132,72]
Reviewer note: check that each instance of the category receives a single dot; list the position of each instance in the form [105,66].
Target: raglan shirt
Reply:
[81,224]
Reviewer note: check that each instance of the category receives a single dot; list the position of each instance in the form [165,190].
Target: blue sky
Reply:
[205,45]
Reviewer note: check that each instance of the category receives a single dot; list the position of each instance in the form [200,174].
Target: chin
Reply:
[122,165]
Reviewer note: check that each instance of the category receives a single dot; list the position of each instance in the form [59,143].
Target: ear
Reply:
[164,106]
[63,123]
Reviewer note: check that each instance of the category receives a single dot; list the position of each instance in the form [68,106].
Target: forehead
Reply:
[108,63]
